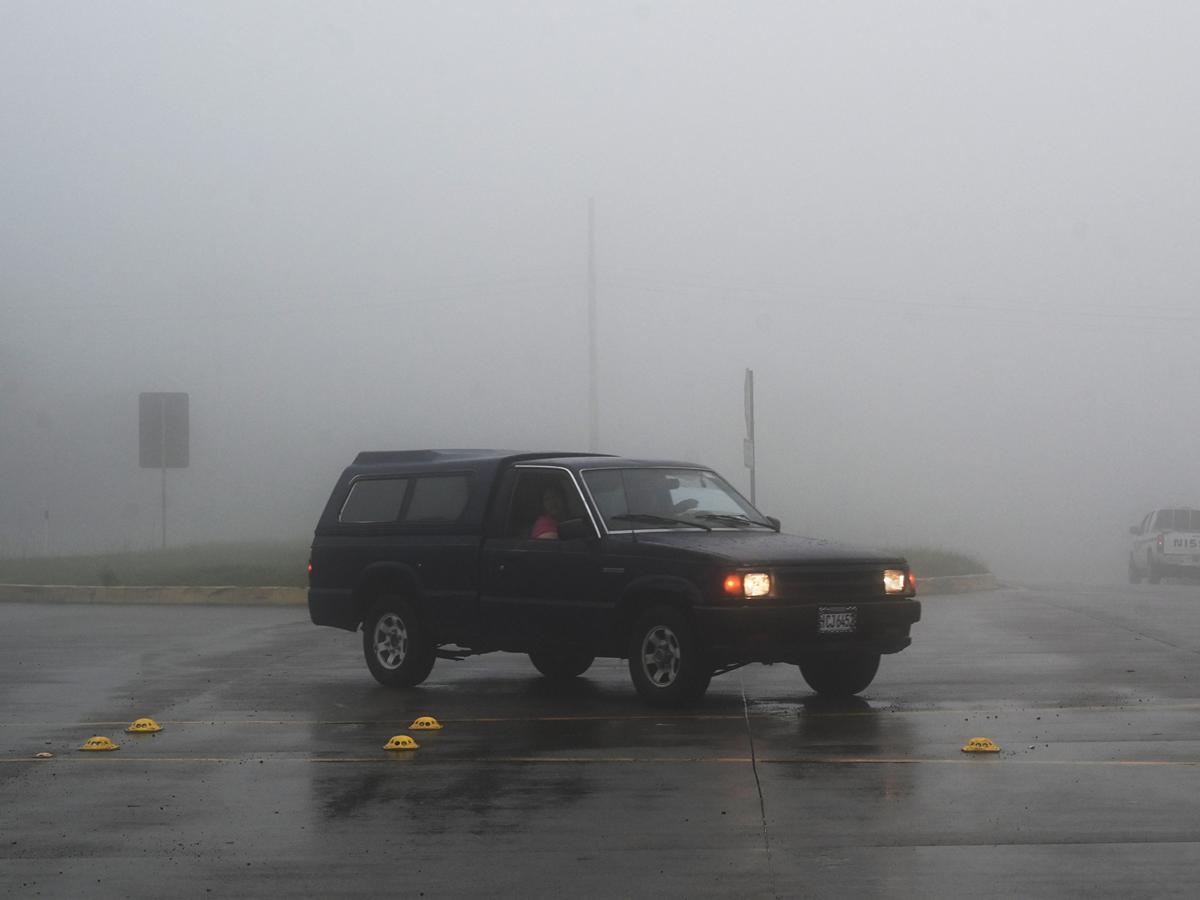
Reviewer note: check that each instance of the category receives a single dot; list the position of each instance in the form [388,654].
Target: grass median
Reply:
[281,564]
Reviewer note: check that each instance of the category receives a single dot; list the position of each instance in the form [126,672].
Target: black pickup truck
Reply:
[571,556]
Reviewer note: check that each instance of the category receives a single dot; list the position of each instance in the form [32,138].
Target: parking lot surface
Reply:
[269,777]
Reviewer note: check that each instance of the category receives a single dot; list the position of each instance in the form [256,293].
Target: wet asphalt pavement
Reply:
[269,778]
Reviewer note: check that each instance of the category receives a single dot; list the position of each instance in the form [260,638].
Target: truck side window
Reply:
[531,496]
[374,500]
[437,500]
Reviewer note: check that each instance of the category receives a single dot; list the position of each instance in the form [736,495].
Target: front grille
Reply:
[825,584]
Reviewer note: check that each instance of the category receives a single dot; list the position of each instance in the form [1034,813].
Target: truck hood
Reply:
[762,548]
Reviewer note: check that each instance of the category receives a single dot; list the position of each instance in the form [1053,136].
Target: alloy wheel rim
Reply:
[391,641]
[661,656]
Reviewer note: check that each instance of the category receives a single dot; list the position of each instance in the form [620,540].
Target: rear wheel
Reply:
[840,676]
[561,665]
[398,649]
[667,663]
[1152,574]
[1135,574]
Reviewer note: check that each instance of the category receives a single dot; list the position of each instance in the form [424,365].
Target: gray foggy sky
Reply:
[956,241]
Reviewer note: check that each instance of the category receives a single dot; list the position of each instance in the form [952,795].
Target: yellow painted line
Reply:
[696,717]
[115,756]
[491,720]
[798,711]
[746,760]
[856,761]
[224,723]
[599,760]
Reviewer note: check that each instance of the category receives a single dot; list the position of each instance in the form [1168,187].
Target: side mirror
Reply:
[775,523]
[575,529]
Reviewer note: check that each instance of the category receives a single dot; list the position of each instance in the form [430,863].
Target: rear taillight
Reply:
[310,568]
[1160,542]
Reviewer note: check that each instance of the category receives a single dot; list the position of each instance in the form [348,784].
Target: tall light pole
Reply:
[748,443]
[593,388]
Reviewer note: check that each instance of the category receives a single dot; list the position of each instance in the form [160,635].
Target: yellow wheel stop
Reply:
[99,742]
[981,745]
[425,723]
[401,742]
[143,726]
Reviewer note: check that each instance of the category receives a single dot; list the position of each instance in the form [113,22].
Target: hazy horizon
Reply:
[954,240]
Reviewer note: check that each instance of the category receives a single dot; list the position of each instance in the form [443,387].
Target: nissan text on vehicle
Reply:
[1166,542]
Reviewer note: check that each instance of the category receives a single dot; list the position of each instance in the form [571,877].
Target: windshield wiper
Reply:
[733,519]
[651,518]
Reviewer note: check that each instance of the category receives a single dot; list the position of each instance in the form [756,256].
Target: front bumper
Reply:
[789,633]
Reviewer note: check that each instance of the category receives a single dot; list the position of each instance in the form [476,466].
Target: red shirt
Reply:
[545,524]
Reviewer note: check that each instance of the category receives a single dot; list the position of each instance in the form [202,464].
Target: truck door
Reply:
[538,589]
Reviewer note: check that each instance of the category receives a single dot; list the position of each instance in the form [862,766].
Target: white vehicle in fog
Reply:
[1167,542]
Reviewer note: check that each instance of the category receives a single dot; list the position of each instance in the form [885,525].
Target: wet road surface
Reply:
[269,778]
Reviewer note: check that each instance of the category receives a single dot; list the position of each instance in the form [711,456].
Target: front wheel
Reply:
[667,663]
[840,676]
[561,665]
[398,649]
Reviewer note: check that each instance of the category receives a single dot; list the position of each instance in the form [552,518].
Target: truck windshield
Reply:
[653,498]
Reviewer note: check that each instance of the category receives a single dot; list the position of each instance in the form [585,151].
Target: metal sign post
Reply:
[163,438]
[593,352]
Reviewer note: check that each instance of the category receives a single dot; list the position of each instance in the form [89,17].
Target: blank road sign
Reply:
[163,431]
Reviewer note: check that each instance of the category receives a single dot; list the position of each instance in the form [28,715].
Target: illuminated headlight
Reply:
[893,581]
[756,584]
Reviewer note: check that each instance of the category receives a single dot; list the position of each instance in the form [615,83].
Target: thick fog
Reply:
[956,242]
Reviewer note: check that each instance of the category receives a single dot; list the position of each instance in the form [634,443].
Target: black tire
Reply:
[396,644]
[561,665]
[667,663]
[1135,574]
[1152,574]
[840,676]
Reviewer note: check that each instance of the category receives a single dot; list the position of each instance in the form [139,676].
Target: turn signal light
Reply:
[750,585]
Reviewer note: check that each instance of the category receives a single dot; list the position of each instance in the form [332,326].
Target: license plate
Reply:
[837,619]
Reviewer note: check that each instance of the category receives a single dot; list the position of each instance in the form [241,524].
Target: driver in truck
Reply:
[554,508]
